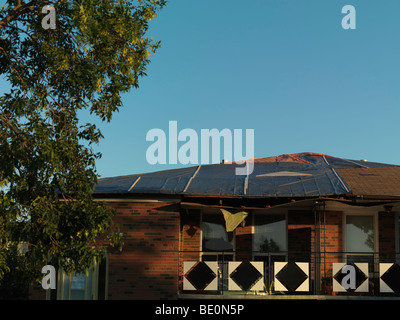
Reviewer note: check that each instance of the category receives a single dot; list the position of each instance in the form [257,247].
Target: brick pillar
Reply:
[387,236]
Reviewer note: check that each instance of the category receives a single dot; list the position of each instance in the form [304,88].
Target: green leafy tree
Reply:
[98,50]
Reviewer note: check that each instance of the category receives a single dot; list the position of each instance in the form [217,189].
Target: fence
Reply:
[290,273]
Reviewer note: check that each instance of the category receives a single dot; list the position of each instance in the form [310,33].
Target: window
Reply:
[269,233]
[78,286]
[269,241]
[217,243]
[360,238]
[360,234]
[269,237]
[91,285]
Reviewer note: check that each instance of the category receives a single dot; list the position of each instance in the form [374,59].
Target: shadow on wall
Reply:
[147,267]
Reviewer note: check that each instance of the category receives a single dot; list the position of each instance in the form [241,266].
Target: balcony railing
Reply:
[290,273]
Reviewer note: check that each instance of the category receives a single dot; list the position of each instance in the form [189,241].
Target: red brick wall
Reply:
[147,268]
[190,235]
[331,244]
[244,239]
[387,239]
[332,237]
[301,234]
[190,239]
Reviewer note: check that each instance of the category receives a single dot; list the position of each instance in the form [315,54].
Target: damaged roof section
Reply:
[294,175]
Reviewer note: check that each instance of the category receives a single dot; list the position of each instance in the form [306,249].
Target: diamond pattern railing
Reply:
[291,276]
[289,273]
[245,275]
[390,278]
[344,283]
[200,275]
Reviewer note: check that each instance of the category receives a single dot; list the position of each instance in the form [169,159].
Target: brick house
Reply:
[300,224]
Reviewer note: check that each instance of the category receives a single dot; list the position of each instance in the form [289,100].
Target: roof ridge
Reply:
[291,157]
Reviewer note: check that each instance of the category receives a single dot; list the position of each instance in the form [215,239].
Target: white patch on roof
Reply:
[285,174]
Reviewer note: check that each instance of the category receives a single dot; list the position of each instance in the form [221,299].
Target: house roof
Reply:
[380,181]
[289,175]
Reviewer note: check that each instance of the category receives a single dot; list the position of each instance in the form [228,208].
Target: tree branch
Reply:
[17,11]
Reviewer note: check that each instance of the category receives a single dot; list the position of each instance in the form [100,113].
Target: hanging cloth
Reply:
[232,220]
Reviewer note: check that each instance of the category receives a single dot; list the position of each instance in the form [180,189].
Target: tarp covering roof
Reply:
[292,175]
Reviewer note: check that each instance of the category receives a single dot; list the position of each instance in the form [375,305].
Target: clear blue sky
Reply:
[284,68]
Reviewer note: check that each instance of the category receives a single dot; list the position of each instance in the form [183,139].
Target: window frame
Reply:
[375,253]
[62,276]
[211,211]
[269,212]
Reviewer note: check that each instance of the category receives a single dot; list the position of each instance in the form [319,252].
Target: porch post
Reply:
[317,245]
